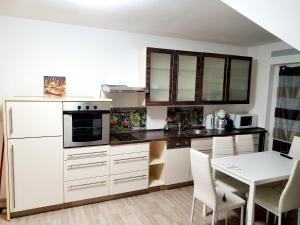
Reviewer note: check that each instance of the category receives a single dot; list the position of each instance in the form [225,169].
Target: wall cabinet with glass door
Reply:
[213,78]
[186,77]
[159,72]
[194,78]
[238,79]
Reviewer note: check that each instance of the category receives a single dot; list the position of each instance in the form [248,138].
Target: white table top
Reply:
[258,168]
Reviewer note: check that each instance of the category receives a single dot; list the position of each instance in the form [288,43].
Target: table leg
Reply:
[298,223]
[250,205]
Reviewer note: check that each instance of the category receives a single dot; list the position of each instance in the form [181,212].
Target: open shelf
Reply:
[157,175]
[157,163]
[158,152]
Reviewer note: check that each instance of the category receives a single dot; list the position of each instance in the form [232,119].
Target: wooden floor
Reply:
[170,207]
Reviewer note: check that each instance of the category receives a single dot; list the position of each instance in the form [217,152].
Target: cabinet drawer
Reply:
[85,168]
[86,188]
[86,152]
[129,162]
[129,148]
[202,143]
[127,182]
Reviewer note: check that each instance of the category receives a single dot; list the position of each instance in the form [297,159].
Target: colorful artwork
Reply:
[54,86]
[185,115]
[122,119]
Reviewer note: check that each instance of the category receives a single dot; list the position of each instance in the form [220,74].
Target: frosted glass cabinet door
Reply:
[160,78]
[213,79]
[186,80]
[239,79]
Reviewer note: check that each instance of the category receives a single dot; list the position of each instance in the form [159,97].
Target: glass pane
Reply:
[160,76]
[239,80]
[86,127]
[213,79]
[186,78]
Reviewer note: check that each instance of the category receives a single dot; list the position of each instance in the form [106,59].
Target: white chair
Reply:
[206,192]
[295,148]
[222,147]
[281,202]
[244,144]
[295,153]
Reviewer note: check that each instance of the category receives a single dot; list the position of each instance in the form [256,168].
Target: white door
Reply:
[33,119]
[178,165]
[36,172]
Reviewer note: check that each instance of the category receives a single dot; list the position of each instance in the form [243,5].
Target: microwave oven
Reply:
[243,121]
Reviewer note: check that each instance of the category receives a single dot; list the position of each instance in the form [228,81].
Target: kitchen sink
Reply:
[196,131]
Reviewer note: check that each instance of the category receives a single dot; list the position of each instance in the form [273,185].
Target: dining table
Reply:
[255,169]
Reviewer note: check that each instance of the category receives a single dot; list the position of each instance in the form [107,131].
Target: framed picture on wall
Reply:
[54,86]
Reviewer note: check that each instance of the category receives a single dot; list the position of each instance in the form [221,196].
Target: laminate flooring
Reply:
[169,207]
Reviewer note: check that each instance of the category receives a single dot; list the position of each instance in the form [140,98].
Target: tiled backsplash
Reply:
[185,115]
[123,119]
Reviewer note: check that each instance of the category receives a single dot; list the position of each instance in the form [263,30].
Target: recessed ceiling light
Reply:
[101,3]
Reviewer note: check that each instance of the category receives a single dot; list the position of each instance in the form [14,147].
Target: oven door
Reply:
[86,128]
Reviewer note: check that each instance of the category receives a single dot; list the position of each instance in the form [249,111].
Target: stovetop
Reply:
[125,137]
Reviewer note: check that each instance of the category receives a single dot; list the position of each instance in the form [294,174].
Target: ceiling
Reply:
[202,20]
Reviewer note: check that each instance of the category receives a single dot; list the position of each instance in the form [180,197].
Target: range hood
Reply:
[122,89]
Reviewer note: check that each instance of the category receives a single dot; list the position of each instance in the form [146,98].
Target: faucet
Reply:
[183,127]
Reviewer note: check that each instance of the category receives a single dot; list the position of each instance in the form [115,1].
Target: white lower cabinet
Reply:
[86,172]
[129,168]
[178,165]
[36,172]
[127,182]
[86,188]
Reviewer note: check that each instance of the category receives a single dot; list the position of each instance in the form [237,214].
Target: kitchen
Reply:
[91,57]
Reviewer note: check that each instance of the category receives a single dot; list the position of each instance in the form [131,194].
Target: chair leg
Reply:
[275,219]
[242,215]
[267,216]
[192,213]
[226,218]
[213,218]
[279,219]
[298,219]
[204,210]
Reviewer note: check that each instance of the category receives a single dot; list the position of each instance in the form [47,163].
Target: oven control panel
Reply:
[86,106]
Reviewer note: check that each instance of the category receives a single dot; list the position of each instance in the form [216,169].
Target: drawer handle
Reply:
[74,166]
[11,125]
[130,159]
[13,175]
[86,155]
[118,180]
[72,187]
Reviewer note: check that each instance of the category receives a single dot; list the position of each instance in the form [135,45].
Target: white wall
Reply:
[264,70]
[281,18]
[88,57]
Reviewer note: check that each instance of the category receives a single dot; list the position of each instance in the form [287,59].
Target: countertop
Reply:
[56,99]
[156,135]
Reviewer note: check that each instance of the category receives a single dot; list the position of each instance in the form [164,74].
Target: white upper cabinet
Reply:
[33,119]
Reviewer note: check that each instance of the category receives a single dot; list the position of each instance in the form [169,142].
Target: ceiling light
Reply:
[101,3]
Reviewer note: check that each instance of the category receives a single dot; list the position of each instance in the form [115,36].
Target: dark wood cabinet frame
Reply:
[173,88]
[228,101]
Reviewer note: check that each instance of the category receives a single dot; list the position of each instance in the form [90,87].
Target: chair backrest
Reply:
[222,146]
[244,144]
[290,197]
[204,188]
[295,148]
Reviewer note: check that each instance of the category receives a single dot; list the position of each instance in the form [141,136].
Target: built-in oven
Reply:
[86,123]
